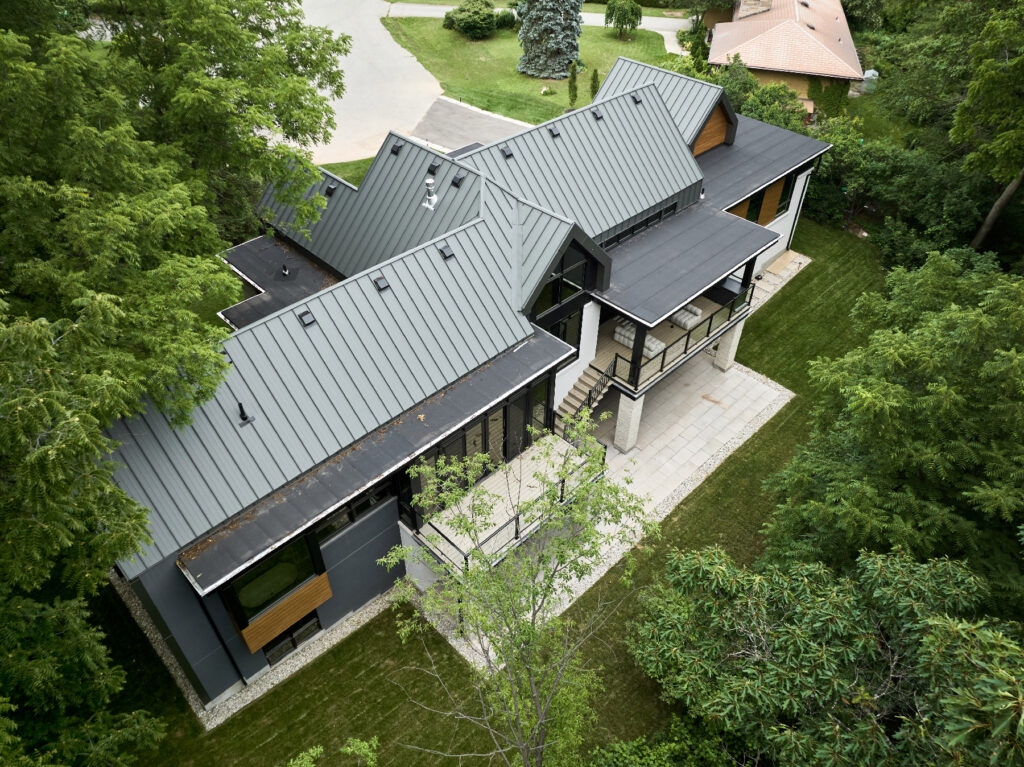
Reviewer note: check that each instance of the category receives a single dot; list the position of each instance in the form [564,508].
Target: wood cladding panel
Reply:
[770,205]
[741,209]
[286,612]
[713,133]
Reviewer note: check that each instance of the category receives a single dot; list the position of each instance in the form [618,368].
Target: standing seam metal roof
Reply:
[385,215]
[690,101]
[369,357]
[598,173]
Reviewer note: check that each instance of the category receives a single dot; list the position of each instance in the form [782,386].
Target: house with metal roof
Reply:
[443,308]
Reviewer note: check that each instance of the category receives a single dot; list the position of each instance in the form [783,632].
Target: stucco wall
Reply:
[785,224]
[566,378]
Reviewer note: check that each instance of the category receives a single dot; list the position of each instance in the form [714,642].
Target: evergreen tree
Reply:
[573,87]
[595,84]
[549,36]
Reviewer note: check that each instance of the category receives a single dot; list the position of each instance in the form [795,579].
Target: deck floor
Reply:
[514,485]
[667,332]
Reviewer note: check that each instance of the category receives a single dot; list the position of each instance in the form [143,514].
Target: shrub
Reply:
[572,84]
[623,15]
[595,84]
[505,19]
[474,18]
[830,99]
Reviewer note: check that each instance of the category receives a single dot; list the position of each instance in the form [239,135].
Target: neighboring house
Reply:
[790,42]
[542,270]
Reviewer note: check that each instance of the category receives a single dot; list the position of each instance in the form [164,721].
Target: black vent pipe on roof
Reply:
[245,417]
[330,189]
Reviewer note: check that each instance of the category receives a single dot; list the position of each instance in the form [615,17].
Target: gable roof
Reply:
[690,101]
[369,356]
[600,173]
[385,215]
[790,37]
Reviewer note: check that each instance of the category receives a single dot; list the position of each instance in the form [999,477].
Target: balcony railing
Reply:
[497,543]
[692,341]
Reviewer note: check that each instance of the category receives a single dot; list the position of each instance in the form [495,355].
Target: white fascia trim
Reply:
[650,326]
[209,588]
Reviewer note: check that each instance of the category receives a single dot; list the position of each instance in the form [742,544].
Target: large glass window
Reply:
[568,279]
[787,194]
[515,440]
[496,435]
[540,405]
[273,578]
[353,510]
[754,207]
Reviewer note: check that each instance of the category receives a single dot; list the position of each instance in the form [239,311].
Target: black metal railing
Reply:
[448,552]
[597,390]
[695,339]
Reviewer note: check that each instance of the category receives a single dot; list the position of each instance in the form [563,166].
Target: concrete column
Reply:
[727,344]
[627,425]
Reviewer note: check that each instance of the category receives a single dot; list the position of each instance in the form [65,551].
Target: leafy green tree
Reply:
[623,15]
[530,690]
[737,82]
[550,36]
[572,86]
[473,18]
[875,668]
[917,436]
[242,88]
[684,743]
[990,121]
[776,104]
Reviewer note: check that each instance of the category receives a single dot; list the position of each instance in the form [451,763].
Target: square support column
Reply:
[727,344]
[627,424]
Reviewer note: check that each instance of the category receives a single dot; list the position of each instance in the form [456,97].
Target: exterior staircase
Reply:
[589,389]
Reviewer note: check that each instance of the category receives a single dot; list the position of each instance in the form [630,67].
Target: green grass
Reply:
[587,7]
[805,320]
[353,171]
[347,692]
[878,123]
[483,73]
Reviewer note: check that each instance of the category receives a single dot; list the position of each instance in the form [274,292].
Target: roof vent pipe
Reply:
[431,200]
[245,417]
[702,192]
[284,270]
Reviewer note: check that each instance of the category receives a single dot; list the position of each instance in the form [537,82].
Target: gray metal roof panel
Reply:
[368,357]
[690,101]
[760,154]
[664,267]
[385,216]
[597,173]
[271,521]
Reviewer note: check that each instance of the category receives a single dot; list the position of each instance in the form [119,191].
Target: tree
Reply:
[241,87]
[685,743]
[595,84]
[737,82]
[875,668]
[991,119]
[917,437]
[624,15]
[530,689]
[695,41]
[776,104]
[549,35]
[473,18]
[573,87]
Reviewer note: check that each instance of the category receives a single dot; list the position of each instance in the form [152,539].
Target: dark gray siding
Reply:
[351,562]
[187,629]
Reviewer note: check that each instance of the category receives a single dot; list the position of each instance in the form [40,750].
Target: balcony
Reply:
[616,360]
[516,485]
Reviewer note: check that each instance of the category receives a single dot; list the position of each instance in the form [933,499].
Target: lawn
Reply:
[346,692]
[483,73]
[587,7]
[352,171]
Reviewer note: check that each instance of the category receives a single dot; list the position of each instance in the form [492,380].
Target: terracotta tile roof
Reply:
[789,36]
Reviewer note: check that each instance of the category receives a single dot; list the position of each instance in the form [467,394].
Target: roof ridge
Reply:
[663,71]
[567,115]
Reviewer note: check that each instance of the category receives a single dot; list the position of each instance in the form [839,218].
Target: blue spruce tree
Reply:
[550,35]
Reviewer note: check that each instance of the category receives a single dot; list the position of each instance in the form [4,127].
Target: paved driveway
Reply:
[386,88]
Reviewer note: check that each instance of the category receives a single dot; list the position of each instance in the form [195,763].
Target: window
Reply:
[351,511]
[754,207]
[516,420]
[295,636]
[650,220]
[496,434]
[540,404]
[569,279]
[787,194]
[568,328]
[273,578]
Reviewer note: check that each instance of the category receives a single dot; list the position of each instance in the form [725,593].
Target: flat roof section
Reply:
[262,262]
[292,509]
[761,154]
[664,267]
